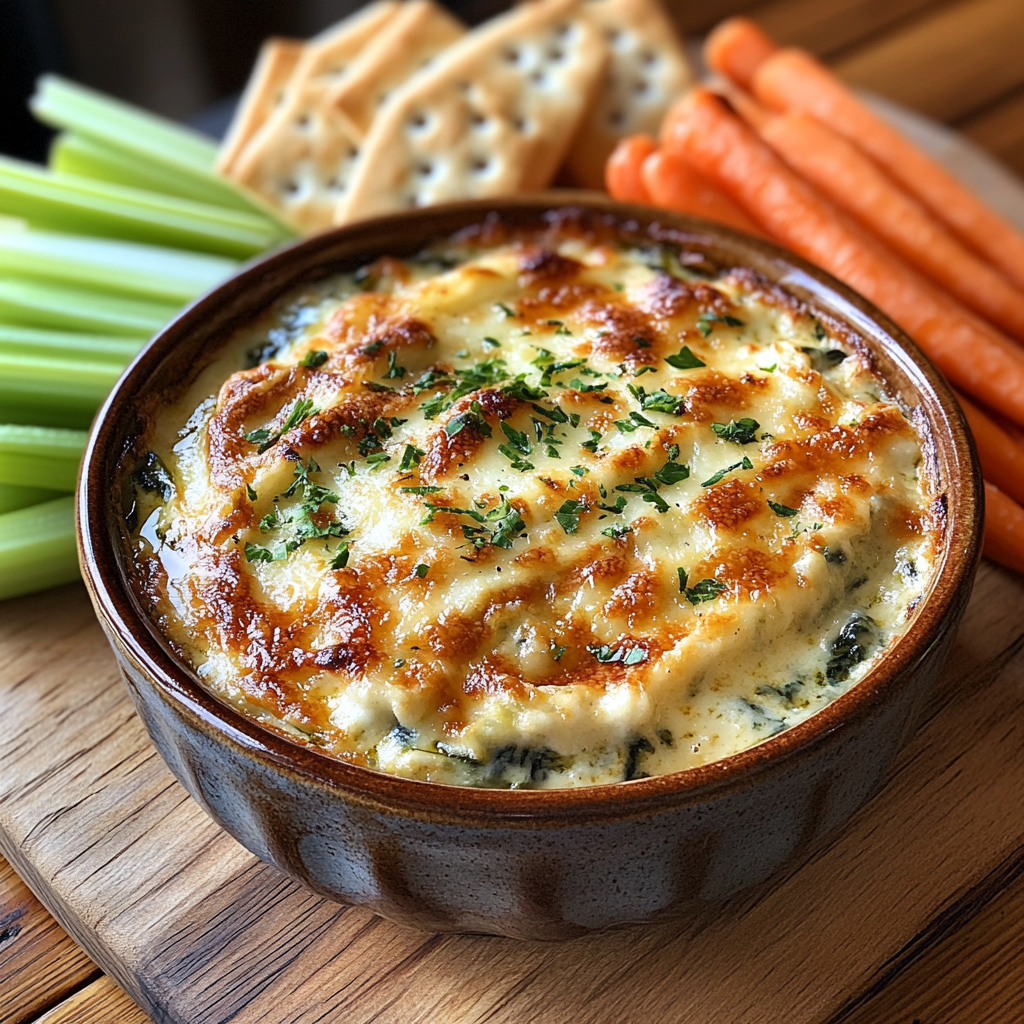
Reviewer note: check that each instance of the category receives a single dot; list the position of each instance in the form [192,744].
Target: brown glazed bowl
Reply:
[541,864]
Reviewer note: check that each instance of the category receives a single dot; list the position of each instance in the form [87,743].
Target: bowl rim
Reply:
[138,640]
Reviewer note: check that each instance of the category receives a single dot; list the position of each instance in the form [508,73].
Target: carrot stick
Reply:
[675,185]
[1002,458]
[1004,529]
[622,172]
[794,80]
[854,182]
[736,49]
[755,114]
[972,354]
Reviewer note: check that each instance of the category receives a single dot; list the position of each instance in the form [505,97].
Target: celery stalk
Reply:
[68,202]
[107,265]
[53,392]
[42,305]
[40,456]
[68,345]
[37,547]
[142,138]
[13,496]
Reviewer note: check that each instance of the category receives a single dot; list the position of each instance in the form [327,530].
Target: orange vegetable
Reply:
[672,183]
[1002,458]
[736,49]
[974,355]
[794,80]
[622,172]
[850,179]
[1004,529]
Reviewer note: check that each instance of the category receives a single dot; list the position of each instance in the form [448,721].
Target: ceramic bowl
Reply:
[543,864]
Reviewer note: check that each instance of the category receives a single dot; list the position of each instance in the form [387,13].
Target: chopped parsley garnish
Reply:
[422,490]
[705,320]
[251,492]
[742,431]
[616,509]
[591,445]
[490,342]
[612,655]
[648,491]
[683,576]
[522,391]
[394,371]
[744,463]
[657,401]
[554,413]
[635,420]
[783,510]
[411,457]
[297,520]
[617,531]
[508,523]
[504,310]
[372,349]
[340,559]
[472,417]
[684,359]
[586,388]
[568,515]
[672,473]
[706,590]
[372,385]
[422,569]
[466,381]
[313,358]
[579,470]
[557,652]
[640,370]
[264,439]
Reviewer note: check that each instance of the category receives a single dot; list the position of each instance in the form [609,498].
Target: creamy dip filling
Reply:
[545,513]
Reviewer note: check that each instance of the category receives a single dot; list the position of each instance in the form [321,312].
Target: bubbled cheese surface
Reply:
[550,513]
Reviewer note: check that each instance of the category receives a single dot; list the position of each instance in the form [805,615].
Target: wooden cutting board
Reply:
[199,931]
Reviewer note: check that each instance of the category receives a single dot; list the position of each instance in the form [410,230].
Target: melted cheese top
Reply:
[546,513]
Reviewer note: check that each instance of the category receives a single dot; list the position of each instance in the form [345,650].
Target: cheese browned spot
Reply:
[533,511]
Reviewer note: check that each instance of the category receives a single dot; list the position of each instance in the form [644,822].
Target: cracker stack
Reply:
[398,106]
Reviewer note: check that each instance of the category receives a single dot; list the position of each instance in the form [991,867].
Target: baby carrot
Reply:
[622,172]
[972,354]
[1004,529]
[1002,458]
[736,49]
[672,183]
[794,80]
[854,182]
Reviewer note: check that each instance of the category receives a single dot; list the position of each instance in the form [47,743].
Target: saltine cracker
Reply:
[647,71]
[493,115]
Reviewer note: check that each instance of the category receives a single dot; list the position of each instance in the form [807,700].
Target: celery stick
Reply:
[37,547]
[140,137]
[53,392]
[13,496]
[108,265]
[40,456]
[42,305]
[69,345]
[68,202]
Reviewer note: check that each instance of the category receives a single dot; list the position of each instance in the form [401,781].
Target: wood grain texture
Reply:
[102,1002]
[198,930]
[39,963]
[946,64]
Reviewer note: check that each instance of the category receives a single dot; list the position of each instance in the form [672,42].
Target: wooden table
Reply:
[960,62]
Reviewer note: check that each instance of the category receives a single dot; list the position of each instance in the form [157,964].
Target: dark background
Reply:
[187,59]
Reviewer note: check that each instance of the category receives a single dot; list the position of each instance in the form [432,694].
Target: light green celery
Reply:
[40,456]
[53,392]
[141,137]
[68,202]
[109,265]
[70,345]
[13,496]
[37,547]
[44,305]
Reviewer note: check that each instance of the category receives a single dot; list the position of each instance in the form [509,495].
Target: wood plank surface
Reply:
[102,1002]
[39,964]
[198,930]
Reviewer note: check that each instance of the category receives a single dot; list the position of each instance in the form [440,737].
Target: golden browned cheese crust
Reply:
[545,513]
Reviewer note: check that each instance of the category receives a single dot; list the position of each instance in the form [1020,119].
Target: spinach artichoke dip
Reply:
[532,510]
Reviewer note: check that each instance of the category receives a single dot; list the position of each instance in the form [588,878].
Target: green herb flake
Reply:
[411,457]
[568,515]
[611,655]
[313,358]
[744,463]
[616,532]
[250,492]
[705,321]
[706,590]
[422,569]
[683,575]
[684,359]
[742,431]
[507,313]
[394,371]
[672,473]
[377,459]
[340,559]
[490,342]
[422,490]
[783,510]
